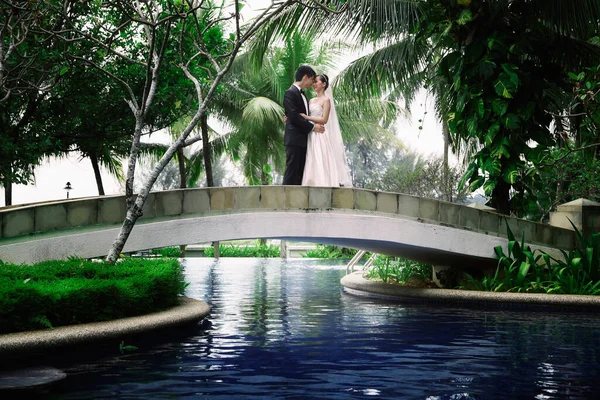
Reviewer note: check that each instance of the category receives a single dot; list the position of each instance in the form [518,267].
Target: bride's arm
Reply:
[322,119]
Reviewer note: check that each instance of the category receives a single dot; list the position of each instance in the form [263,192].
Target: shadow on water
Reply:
[285,329]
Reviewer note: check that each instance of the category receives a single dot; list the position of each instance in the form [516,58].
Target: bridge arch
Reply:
[423,229]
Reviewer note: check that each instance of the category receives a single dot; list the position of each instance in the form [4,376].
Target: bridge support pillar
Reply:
[584,213]
[283,249]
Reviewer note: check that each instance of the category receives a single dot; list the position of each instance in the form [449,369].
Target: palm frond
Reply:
[395,66]
[576,19]
[367,20]
[114,166]
[260,111]
[153,151]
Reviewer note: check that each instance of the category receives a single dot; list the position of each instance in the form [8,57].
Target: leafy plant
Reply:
[398,270]
[523,271]
[329,251]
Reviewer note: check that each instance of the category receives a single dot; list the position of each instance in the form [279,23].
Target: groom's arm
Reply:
[293,113]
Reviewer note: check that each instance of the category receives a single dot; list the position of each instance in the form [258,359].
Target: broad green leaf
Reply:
[491,133]
[464,17]
[471,170]
[501,150]
[472,126]
[504,86]
[480,107]
[511,121]
[499,107]
[493,166]
[486,68]
[476,184]
[461,101]
[489,186]
[511,174]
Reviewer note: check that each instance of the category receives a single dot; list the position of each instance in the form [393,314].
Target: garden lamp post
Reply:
[68,188]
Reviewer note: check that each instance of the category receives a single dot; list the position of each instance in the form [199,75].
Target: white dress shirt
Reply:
[303,98]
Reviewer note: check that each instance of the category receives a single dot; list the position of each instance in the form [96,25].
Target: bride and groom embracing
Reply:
[313,140]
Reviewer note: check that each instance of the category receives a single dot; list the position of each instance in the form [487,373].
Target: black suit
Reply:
[295,137]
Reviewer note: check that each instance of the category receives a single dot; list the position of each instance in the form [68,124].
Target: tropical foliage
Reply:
[524,270]
[498,67]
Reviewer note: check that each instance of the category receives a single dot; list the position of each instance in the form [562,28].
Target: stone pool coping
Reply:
[354,283]
[189,311]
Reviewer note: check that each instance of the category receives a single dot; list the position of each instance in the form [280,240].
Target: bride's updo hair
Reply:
[325,79]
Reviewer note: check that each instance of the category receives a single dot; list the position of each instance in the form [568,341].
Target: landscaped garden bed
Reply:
[58,293]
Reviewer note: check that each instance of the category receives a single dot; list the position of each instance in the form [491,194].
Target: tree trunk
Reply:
[500,197]
[7,192]
[206,151]
[182,172]
[135,204]
[96,167]
[182,184]
[447,189]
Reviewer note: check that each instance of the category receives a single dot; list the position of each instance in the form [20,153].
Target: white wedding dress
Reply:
[320,168]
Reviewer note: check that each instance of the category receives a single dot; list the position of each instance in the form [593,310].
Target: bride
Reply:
[326,163]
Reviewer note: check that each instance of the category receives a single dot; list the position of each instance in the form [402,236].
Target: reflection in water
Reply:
[287,330]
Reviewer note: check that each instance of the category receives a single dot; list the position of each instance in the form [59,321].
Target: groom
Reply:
[296,127]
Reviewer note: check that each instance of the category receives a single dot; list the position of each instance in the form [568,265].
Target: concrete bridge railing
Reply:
[63,218]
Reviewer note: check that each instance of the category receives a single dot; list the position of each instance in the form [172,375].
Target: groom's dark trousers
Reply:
[295,137]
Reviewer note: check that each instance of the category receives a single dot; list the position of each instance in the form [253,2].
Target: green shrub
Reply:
[398,270]
[328,251]
[260,251]
[57,293]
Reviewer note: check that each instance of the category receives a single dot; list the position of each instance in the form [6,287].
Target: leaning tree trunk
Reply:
[96,168]
[7,191]
[206,151]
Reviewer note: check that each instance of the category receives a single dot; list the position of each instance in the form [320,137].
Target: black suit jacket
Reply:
[296,127]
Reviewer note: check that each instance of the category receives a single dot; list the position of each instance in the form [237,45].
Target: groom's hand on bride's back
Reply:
[319,128]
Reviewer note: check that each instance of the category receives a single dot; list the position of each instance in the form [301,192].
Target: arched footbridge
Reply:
[429,230]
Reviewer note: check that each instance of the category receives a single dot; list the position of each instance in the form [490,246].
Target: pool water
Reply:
[286,329]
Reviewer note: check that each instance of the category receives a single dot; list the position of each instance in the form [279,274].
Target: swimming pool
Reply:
[285,329]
